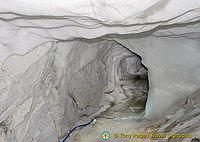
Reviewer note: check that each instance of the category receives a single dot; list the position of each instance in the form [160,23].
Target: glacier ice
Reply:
[59,58]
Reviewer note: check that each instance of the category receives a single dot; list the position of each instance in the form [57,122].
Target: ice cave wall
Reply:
[43,52]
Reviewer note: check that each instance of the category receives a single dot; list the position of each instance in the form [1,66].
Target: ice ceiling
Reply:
[52,52]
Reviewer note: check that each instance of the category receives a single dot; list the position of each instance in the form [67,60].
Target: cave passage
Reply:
[134,85]
[108,82]
[114,76]
[122,96]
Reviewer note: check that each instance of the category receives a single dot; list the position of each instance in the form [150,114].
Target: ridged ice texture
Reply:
[165,33]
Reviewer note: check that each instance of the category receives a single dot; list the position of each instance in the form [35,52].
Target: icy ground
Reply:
[61,61]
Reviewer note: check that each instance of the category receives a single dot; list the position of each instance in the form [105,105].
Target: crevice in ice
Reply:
[151,32]
[103,23]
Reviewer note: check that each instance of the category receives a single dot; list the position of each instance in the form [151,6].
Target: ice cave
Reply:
[100,71]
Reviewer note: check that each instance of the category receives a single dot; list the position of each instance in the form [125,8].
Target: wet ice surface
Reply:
[123,117]
[131,106]
[127,118]
[164,34]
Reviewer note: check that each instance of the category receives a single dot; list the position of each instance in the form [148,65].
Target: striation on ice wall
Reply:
[59,58]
